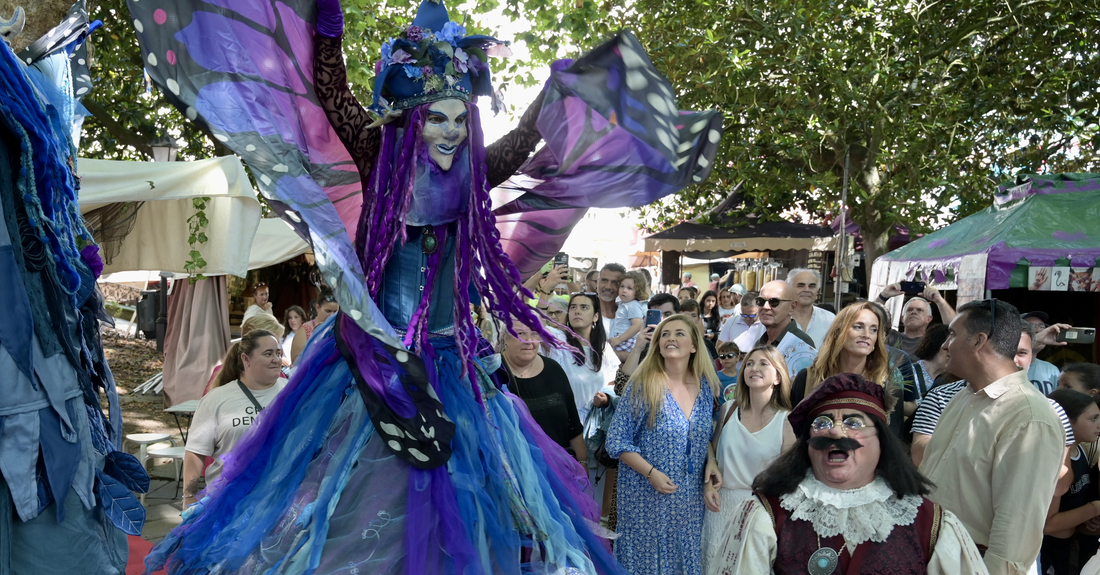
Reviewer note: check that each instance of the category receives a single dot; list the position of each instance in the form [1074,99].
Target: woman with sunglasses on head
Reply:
[584,363]
[855,343]
[752,431]
[326,306]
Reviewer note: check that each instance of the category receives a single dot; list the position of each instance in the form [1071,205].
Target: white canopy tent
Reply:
[158,240]
[197,332]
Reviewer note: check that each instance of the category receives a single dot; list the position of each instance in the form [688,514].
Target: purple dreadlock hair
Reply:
[480,259]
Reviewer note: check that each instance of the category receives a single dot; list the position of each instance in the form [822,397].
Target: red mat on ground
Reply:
[139,548]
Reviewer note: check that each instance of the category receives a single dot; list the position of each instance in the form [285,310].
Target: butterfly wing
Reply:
[614,139]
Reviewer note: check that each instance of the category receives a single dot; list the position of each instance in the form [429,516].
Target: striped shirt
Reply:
[935,402]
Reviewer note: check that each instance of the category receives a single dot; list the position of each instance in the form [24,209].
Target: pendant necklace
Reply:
[823,561]
[429,242]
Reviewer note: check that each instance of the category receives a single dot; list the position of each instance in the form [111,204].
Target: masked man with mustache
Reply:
[845,499]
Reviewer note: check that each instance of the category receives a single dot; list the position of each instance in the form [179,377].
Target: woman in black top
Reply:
[542,384]
[712,320]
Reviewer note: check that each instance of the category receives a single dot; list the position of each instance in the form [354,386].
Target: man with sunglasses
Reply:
[776,326]
[997,449]
[845,498]
[741,320]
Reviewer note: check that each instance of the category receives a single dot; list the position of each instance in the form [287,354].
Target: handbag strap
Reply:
[729,414]
[252,398]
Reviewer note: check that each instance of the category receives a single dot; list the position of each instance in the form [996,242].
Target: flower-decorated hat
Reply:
[431,60]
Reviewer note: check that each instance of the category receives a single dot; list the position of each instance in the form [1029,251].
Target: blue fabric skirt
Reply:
[314,489]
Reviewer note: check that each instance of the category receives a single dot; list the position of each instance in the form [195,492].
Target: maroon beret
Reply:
[844,390]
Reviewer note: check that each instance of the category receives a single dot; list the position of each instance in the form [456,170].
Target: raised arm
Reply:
[330,78]
[507,154]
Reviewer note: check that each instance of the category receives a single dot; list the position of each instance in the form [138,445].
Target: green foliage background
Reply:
[933,101]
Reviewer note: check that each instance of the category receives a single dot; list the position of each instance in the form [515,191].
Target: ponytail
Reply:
[232,364]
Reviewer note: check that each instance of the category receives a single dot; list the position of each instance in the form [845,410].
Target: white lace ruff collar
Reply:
[869,513]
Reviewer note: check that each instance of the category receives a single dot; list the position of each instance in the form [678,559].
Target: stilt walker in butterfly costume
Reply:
[66,491]
[394,449]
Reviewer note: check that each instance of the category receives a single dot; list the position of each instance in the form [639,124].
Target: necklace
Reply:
[516,373]
[823,561]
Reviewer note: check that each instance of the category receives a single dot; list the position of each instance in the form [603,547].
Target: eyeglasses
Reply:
[823,423]
[748,315]
[773,302]
[730,355]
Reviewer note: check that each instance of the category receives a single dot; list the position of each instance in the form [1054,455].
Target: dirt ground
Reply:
[132,362]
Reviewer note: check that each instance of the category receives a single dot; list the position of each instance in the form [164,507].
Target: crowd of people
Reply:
[764,431]
[757,405]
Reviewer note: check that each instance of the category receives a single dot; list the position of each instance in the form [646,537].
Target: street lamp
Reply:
[164,148]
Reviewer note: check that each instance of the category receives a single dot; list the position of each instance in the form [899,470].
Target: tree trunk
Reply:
[42,16]
[875,231]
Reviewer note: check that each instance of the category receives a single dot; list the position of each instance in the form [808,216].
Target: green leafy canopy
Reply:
[935,101]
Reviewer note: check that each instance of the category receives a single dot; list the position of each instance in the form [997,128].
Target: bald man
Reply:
[775,325]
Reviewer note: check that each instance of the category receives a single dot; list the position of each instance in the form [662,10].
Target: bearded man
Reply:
[845,499]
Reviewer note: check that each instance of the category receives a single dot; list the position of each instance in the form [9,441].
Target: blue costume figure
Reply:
[66,501]
[395,448]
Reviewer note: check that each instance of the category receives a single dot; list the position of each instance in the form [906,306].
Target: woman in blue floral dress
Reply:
[660,432]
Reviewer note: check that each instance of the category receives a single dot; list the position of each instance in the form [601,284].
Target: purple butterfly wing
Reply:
[244,70]
[614,139]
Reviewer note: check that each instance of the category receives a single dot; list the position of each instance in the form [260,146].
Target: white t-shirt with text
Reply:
[221,420]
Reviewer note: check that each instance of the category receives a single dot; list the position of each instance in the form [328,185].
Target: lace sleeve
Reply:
[507,154]
[347,116]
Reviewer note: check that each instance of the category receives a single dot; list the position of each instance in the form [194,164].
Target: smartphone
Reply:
[562,259]
[1077,335]
[652,317]
[912,288]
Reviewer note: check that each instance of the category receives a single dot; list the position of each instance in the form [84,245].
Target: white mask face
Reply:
[444,130]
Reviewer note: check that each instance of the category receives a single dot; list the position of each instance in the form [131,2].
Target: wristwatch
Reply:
[882,298]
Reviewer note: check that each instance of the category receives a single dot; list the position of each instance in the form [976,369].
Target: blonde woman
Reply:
[855,343]
[752,431]
[660,432]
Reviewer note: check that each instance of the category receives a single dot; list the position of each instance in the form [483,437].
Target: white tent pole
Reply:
[840,251]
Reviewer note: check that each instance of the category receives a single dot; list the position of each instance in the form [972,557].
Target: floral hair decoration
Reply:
[431,60]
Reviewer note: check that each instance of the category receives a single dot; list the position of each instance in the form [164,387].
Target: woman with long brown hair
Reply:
[660,432]
[751,433]
[855,343]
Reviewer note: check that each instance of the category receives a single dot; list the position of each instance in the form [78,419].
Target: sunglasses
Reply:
[748,315]
[773,302]
[730,355]
[327,298]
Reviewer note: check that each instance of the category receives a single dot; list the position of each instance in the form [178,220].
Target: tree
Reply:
[128,112]
[933,101]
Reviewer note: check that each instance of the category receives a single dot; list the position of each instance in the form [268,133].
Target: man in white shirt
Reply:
[998,447]
[811,319]
[740,320]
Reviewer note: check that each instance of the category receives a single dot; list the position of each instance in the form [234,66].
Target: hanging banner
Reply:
[971,278]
